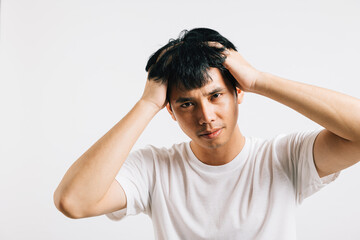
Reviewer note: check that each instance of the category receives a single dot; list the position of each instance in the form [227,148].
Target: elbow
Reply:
[66,206]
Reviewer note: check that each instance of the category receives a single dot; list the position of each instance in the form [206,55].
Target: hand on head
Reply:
[155,92]
[245,74]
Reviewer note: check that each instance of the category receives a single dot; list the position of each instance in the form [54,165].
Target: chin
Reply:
[212,145]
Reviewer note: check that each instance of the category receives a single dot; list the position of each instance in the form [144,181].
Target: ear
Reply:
[168,107]
[240,95]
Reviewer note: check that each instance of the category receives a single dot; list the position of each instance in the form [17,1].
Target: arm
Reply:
[89,187]
[338,145]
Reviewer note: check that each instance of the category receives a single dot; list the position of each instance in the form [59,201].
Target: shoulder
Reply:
[284,143]
[295,140]
[257,145]
[162,153]
[285,138]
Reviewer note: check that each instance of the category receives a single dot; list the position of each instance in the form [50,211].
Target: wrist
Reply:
[149,105]
[261,82]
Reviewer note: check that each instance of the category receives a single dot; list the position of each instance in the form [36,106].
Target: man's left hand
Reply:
[246,75]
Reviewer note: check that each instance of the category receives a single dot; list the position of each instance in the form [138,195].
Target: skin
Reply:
[208,115]
[337,146]
[89,187]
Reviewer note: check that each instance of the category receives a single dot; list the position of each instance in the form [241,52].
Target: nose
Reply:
[206,113]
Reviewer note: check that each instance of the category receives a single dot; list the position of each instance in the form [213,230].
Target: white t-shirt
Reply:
[252,197]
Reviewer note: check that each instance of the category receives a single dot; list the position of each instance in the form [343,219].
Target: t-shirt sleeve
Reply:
[298,162]
[135,177]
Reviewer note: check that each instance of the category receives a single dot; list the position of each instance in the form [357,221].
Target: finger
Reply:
[214,44]
[218,45]
[161,54]
[165,50]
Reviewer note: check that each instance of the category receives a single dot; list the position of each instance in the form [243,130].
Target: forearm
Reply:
[337,112]
[89,178]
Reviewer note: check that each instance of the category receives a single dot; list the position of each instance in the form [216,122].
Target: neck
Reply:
[222,154]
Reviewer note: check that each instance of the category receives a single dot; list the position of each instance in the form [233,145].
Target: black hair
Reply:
[184,62]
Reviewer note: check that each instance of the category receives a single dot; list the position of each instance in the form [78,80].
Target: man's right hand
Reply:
[155,93]
[89,187]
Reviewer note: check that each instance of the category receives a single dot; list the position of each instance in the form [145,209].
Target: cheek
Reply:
[186,122]
[230,115]
[228,109]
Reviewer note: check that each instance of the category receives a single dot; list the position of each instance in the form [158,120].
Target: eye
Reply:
[216,95]
[187,104]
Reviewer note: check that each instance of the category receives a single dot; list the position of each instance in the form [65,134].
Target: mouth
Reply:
[211,134]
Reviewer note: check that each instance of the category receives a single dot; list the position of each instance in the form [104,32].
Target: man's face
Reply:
[208,115]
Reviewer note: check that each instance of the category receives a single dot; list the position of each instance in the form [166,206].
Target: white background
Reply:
[72,69]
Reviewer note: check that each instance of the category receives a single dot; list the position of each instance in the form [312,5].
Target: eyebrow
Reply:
[186,99]
[216,90]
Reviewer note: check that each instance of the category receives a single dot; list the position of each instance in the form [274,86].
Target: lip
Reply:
[211,134]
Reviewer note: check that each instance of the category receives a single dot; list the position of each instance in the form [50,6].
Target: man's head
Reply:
[184,62]
[202,94]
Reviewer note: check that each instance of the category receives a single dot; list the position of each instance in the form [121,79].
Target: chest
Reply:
[214,203]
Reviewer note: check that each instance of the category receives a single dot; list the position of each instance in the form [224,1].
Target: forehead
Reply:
[216,80]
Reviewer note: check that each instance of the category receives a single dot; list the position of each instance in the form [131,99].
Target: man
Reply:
[221,184]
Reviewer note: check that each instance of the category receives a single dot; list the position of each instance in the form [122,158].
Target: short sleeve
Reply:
[297,159]
[135,177]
